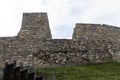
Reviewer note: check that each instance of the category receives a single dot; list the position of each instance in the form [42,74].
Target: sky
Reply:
[62,14]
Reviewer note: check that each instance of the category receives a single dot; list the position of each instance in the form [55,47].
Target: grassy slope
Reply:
[99,71]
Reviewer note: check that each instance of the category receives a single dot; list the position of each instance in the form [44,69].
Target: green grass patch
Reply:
[98,71]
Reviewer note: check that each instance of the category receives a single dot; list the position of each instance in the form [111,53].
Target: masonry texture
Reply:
[91,43]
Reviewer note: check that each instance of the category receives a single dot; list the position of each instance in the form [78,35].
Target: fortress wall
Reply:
[35,25]
[96,31]
[91,43]
[63,52]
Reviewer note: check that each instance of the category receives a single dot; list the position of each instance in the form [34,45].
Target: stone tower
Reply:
[35,26]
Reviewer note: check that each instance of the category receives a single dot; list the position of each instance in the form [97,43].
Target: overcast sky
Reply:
[62,14]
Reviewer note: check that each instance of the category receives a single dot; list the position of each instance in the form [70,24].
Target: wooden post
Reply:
[24,74]
[17,73]
[31,76]
[9,72]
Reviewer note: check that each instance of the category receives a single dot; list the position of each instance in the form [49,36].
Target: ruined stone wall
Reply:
[35,25]
[64,52]
[91,43]
[96,31]
[35,29]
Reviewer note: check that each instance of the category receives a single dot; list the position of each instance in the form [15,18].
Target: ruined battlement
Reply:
[35,25]
[91,43]
[96,31]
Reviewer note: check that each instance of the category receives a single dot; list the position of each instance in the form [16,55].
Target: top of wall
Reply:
[35,25]
[96,31]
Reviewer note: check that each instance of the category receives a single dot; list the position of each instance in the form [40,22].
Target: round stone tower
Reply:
[35,25]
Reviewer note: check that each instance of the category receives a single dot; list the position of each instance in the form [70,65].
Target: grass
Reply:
[98,71]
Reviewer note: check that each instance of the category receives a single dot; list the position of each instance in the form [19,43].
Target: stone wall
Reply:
[76,52]
[91,43]
[96,31]
[35,25]
[63,52]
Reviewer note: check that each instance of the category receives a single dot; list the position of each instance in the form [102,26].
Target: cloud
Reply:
[98,8]
[63,14]
[62,31]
